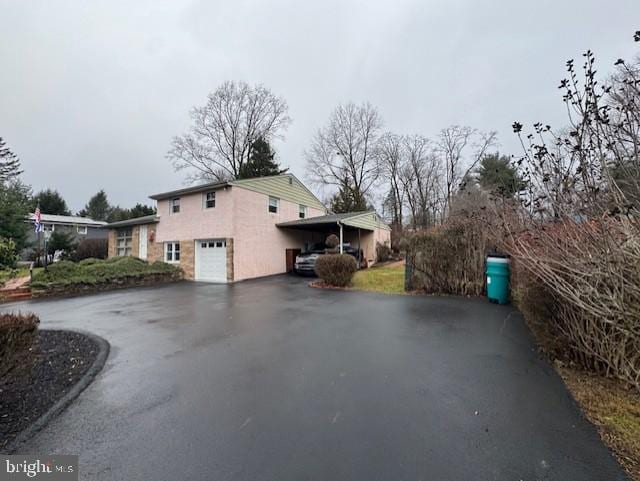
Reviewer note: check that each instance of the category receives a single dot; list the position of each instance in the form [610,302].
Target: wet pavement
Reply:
[272,380]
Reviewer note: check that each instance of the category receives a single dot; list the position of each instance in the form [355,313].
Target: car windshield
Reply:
[314,248]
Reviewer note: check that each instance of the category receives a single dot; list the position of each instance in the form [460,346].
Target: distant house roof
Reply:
[147,219]
[367,220]
[68,219]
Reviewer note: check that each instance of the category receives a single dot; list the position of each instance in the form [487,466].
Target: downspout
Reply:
[341,237]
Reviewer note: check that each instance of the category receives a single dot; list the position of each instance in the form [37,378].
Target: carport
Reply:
[361,229]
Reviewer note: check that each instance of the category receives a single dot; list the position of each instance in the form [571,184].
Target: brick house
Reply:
[241,229]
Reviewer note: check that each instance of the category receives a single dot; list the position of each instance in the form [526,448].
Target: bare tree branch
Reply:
[220,138]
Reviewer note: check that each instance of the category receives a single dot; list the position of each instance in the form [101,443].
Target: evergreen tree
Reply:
[261,161]
[98,207]
[14,209]
[14,199]
[348,200]
[497,175]
[140,210]
[9,163]
[50,202]
[61,241]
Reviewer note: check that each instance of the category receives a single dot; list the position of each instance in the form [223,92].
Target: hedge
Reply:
[18,333]
[96,272]
[336,269]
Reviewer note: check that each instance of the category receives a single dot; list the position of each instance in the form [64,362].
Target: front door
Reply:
[142,251]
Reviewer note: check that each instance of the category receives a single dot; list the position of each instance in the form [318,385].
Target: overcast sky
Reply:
[91,93]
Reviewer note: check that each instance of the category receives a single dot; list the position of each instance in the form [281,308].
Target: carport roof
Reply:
[351,219]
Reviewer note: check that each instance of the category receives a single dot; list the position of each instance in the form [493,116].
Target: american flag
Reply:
[37,217]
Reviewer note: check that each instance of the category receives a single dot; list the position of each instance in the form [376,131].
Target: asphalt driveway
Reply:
[271,380]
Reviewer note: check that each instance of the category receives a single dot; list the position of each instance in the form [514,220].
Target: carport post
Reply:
[341,237]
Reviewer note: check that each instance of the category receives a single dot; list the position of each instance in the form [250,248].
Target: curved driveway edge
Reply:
[62,403]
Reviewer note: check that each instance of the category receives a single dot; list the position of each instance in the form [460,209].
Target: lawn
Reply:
[388,279]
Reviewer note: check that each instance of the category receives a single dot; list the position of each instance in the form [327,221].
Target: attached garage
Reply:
[211,260]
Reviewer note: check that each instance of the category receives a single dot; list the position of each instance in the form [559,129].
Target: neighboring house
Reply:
[241,229]
[79,227]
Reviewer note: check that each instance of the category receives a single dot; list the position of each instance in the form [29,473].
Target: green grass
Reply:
[389,280]
[95,272]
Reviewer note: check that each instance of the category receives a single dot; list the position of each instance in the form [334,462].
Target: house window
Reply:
[124,242]
[172,251]
[81,229]
[209,200]
[302,212]
[273,204]
[175,205]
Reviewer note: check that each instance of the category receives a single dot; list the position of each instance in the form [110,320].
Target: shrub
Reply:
[336,269]
[61,241]
[18,333]
[449,259]
[332,241]
[89,261]
[383,252]
[98,272]
[591,270]
[91,248]
[8,253]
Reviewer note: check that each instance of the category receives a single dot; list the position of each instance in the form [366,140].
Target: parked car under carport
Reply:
[306,261]
[359,232]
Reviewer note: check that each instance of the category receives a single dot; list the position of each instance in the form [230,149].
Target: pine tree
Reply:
[348,200]
[50,202]
[14,209]
[497,175]
[98,207]
[261,161]
[9,163]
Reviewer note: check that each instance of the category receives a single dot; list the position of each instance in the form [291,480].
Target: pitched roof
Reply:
[284,186]
[68,219]
[189,190]
[367,220]
[323,219]
[146,219]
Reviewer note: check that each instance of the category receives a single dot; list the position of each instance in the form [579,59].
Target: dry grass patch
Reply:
[614,408]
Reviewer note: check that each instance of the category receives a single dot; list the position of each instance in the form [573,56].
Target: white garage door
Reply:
[211,260]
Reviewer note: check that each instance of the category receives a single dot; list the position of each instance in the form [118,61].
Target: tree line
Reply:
[17,201]
[351,156]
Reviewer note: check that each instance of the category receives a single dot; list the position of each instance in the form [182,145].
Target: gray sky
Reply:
[91,93]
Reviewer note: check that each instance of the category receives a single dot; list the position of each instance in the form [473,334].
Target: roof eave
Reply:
[190,190]
[136,221]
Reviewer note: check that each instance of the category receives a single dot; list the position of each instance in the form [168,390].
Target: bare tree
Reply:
[219,142]
[453,144]
[586,254]
[391,164]
[420,178]
[344,153]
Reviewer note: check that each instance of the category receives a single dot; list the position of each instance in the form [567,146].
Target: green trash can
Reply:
[498,279]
